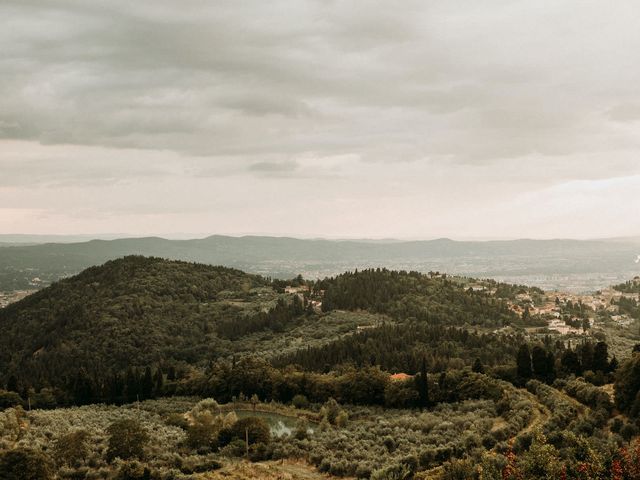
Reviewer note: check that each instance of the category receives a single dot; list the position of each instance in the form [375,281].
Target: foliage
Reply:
[25,464]
[127,439]
[72,448]
[133,311]
[401,294]
[627,385]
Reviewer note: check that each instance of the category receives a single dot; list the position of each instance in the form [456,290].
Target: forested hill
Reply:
[433,299]
[138,312]
[131,311]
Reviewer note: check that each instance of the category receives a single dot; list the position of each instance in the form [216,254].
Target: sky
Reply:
[338,119]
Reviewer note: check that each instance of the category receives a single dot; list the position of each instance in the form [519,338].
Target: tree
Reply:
[627,385]
[12,384]
[422,384]
[570,362]
[146,387]
[523,362]
[72,448]
[256,429]
[586,356]
[601,358]
[132,385]
[255,400]
[25,464]
[539,362]
[613,364]
[203,433]
[9,399]
[127,439]
[477,366]
[159,383]
[83,389]
[541,461]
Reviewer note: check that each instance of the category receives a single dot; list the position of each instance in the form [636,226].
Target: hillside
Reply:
[343,363]
[165,314]
[132,311]
[547,263]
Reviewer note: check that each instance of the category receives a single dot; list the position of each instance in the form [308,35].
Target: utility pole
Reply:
[246,441]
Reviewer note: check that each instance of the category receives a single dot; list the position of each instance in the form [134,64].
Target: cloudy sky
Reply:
[412,119]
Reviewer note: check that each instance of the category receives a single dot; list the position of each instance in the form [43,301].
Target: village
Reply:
[578,315]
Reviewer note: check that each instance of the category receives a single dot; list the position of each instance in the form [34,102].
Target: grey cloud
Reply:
[274,167]
[531,92]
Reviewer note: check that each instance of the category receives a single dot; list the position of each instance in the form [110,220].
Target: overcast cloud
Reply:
[410,119]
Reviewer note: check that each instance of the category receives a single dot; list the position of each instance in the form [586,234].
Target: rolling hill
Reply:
[128,312]
[573,264]
[150,312]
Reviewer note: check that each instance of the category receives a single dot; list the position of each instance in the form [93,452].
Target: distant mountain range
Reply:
[571,264]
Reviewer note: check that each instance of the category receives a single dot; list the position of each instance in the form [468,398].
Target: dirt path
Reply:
[541,414]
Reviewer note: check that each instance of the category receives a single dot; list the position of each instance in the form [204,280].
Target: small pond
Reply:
[279,424]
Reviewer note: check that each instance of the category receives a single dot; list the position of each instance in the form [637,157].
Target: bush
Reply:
[134,471]
[198,464]
[393,472]
[300,401]
[458,470]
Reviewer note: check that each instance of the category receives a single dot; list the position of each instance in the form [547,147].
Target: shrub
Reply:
[134,471]
[458,470]
[393,472]
[300,401]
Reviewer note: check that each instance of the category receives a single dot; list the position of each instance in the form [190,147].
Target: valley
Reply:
[372,373]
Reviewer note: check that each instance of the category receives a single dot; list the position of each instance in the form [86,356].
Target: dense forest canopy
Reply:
[140,312]
[434,299]
[135,311]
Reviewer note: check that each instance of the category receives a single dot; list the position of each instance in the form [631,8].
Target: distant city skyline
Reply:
[460,119]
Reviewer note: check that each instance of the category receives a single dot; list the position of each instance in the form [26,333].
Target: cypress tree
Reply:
[523,361]
[477,366]
[159,381]
[423,385]
[146,387]
[601,357]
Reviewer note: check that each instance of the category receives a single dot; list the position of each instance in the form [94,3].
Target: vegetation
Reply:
[384,375]
[630,286]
